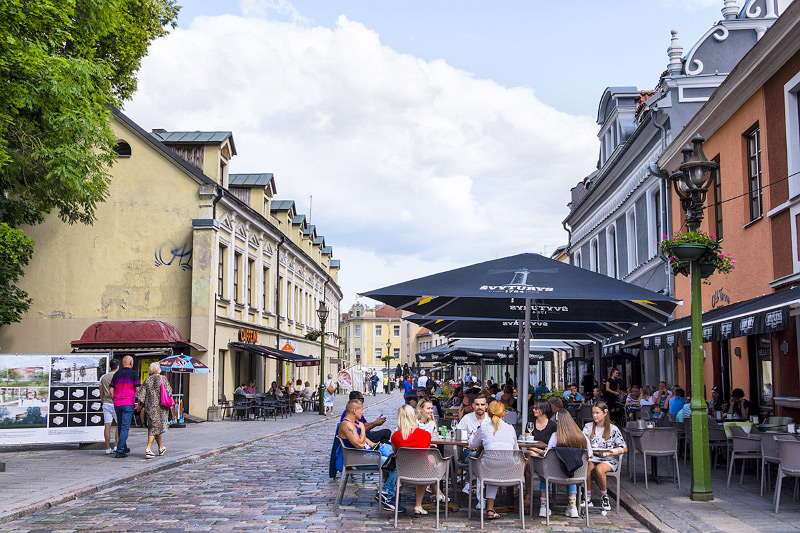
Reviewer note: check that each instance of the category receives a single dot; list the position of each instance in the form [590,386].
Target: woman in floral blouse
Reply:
[606,436]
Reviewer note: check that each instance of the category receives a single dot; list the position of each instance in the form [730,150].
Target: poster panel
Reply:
[51,398]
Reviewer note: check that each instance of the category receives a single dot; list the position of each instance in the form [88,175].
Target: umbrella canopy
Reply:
[499,288]
[183,364]
[496,328]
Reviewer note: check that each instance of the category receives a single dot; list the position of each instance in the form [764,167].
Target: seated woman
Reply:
[274,390]
[739,407]
[604,435]
[308,391]
[252,388]
[427,421]
[408,435]
[543,429]
[567,435]
[494,436]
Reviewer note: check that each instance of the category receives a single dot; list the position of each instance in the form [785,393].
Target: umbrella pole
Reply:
[525,359]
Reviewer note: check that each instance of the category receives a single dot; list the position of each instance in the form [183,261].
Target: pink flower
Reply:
[733,260]
[713,237]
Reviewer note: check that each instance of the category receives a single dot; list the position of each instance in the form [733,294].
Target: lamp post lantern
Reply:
[322,314]
[691,185]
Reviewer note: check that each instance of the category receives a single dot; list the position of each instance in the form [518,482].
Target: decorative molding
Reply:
[225,221]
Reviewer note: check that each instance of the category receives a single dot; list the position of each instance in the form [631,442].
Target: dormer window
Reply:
[123,149]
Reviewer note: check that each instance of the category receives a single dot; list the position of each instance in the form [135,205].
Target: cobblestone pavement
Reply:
[279,483]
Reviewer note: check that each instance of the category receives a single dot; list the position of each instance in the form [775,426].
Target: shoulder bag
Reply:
[166,398]
[330,389]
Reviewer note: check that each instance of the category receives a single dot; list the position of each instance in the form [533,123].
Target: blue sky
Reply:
[431,135]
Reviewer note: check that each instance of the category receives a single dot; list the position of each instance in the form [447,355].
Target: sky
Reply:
[430,134]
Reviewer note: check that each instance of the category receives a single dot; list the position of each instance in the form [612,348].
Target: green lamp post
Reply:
[322,314]
[388,355]
[691,185]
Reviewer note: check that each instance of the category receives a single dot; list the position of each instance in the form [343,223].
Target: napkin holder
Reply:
[461,434]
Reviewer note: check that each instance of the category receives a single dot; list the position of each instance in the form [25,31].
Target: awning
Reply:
[132,334]
[630,339]
[763,314]
[298,360]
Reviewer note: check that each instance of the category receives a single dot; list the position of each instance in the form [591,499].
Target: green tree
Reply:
[63,65]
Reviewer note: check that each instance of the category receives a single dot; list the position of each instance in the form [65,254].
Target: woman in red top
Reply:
[411,436]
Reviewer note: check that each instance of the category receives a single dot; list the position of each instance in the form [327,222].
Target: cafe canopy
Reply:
[498,328]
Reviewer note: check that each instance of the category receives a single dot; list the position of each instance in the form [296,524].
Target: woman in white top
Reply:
[328,398]
[606,436]
[494,436]
[427,421]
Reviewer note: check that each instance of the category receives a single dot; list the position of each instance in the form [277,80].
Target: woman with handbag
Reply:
[155,397]
[330,394]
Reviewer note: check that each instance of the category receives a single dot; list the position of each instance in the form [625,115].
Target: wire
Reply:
[762,187]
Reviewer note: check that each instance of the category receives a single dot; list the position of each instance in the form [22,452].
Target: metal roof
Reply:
[335,263]
[251,180]
[192,137]
[319,240]
[310,229]
[299,219]
[327,250]
[281,205]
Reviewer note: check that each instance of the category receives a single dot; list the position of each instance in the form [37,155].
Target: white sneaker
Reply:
[465,490]
[109,451]
[543,511]
[480,505]
[571,512]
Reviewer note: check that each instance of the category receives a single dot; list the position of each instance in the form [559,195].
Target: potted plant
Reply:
[683,248]
[313,334]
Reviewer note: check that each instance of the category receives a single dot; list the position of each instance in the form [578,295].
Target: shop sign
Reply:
[51,398]
[248,335]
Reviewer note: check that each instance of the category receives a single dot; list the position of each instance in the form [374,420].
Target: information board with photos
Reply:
[51,398]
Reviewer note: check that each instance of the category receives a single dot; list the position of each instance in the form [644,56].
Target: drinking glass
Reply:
[530,427]
[453,425]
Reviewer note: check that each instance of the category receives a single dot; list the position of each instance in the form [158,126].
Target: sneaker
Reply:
[606,504]
[589,504]
[543,511]
[119,455]
[109,451]
[114,449]
[389,506]
[382,496]
[571,512]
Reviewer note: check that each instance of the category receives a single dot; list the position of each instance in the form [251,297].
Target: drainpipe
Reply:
[278,291]
[214,202]
[569,236]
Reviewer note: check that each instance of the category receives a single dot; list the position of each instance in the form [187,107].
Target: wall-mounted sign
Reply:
[248,335]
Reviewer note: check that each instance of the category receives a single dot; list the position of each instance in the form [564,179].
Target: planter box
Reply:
[688,252]
[214,413]
[707,269]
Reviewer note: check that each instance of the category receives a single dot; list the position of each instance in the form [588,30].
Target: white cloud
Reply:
[410,160]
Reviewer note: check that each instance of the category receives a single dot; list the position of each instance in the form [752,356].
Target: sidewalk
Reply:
[38,478]
[738,508]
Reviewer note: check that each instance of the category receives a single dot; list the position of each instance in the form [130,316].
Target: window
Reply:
[754,173]
[236,260]
[221,272]
[595,256]
[611,244]
[396,353]
[358,355]
[265,289]
[717,186]
[123,149]
[250,288]
[357,329]
[578,260]
[655,226]
[378,353]
[378,330]
[396,331]
[633,256]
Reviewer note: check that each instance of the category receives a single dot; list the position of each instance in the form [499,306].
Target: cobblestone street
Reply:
[279,483]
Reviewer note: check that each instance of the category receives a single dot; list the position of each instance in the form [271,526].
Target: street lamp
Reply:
[322,314]
[691,185]
[388,354]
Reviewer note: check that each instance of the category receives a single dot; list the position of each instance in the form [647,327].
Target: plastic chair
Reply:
[646,412]
[789,451]
[225,404]
[742,448]
[241,406]
[355,462]
[499,468]
[615,474]
[769,454]
[658,442]
[548,468]
[421,466]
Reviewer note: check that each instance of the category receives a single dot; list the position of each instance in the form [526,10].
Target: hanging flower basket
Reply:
[685,247]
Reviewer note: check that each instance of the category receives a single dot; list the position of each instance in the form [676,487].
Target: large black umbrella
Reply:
[530,287]
[498,328]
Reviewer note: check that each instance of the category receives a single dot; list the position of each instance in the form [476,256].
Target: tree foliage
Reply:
[63,65]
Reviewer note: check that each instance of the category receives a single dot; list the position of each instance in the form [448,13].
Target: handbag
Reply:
[330,389]
[390,464]
[166,399]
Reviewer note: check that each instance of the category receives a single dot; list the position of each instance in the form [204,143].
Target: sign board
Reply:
[288,345]
[248,335]
[51,398]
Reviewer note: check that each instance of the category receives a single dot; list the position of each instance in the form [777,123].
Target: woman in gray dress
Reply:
[149,397]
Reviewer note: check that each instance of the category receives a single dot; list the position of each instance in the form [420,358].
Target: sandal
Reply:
[162,450]
[491,515]
[419,511]
[148,454]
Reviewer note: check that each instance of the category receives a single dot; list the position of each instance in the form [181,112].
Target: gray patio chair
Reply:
[548,468]
[658,442]
[769,454]
[500,468]
[615,474]
[646,412]
[687,437]
[356,462]
[789,451]
[585,413]
[421,466]
[742,449]
[718,443]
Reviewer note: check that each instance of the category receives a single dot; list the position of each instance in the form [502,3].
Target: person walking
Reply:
[109,415]
[123,388]
[149,397]
[330,395]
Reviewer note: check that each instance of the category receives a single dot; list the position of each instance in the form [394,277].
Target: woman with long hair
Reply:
[498,435]
[408,435]
[543,426]
[567,435]
[606,436]
[427,421]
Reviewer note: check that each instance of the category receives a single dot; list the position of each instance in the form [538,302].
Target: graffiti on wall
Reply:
[169,253]
[200,291]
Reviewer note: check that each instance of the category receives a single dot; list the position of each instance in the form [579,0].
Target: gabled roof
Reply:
[281,205]
[320,240]
[423,332]
[251,180]
[194,137]
[161,148]
[299,219]
[387,311]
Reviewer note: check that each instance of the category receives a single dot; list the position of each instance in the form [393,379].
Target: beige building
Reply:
[185,257]
[368,334]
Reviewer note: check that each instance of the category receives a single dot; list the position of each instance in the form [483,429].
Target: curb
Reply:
[641,513]
[28,510]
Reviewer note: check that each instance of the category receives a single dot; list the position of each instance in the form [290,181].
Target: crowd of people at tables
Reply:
[481,413]
[296,393]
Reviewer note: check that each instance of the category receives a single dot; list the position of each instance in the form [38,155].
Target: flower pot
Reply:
[688,252]
[706,269]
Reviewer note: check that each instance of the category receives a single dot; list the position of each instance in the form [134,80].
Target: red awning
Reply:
[131,334]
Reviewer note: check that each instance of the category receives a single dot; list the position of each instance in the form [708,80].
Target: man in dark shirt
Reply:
[123,388]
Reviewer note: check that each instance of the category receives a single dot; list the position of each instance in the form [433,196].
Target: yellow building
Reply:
[184,257]
[367,334]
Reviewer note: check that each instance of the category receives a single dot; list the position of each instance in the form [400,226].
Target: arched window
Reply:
[123,149]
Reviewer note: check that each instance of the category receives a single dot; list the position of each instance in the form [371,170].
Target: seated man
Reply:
[572,394]
[383,436]
[466,405]
[241,389]
[471,422]
[632,405]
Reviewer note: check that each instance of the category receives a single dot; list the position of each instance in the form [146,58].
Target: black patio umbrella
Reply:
[530,287]
[497,328]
